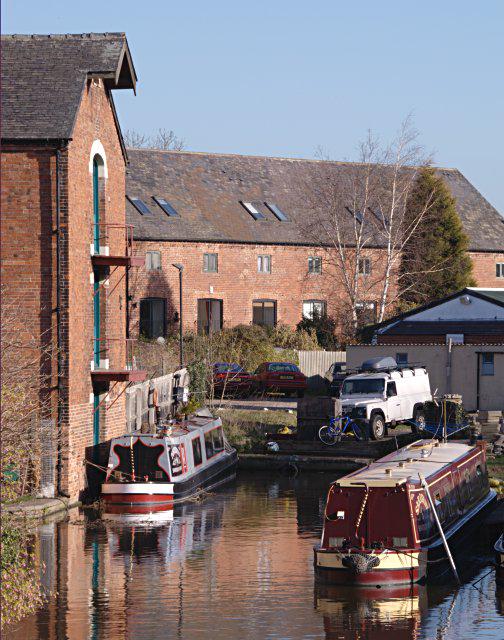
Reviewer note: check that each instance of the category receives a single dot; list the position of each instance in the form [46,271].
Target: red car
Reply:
[280,376]
[231,378]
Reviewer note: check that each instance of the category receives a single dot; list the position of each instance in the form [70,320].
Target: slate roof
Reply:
[43,77]
[434,328]
[206,190]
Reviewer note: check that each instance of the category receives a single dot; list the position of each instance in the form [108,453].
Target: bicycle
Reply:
[337,427]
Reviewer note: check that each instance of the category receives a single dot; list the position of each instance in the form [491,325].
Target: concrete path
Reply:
[257,404]
[39,507]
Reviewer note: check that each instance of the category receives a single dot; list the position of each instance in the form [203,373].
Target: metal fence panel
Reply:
[315,364]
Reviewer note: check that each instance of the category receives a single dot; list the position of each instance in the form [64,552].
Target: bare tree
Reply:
[27,363]
[360,219]
[164,139]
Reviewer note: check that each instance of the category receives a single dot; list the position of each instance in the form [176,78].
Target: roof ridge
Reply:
[264,157]
[61,36]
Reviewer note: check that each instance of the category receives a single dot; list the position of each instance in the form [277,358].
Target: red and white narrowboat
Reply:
[379,526]
[170,466]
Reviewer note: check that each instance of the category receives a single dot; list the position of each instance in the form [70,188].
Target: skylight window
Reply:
[380,216]
[170,211]
[253,210]
[140,206]
[277,212]
[356,214]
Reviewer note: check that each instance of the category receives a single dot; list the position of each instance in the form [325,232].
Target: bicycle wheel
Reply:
[328,435]
[357,430]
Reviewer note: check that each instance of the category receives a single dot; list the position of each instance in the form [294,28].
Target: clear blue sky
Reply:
[281,77]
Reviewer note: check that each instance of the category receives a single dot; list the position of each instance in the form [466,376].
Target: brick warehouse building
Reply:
[238,226]
[66,256]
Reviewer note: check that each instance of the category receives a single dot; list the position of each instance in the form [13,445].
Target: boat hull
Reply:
[499,560]
[396,568]
[159,493]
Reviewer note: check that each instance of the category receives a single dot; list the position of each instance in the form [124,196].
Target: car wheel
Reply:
[377,426]
[418,421]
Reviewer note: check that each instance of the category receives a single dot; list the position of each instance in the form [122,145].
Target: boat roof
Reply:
[426,457]
[178,429]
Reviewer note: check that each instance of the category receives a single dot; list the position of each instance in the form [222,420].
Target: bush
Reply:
[323,329]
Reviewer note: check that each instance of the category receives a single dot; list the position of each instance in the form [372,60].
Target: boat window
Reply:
[209,445]
[176,460]
[425,521]
[363,386]
[196,449]
[218,440]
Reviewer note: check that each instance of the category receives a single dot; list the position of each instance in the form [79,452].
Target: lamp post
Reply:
[180,268]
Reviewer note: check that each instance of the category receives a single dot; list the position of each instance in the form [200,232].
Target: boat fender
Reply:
[360,562]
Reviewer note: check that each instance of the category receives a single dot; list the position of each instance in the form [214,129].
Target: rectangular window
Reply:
[314,308]
[209,450]
[153,260]
[218,440]
[152,317]
[263,264]
[170,211]
[487,364]
[210,263]
[196,450]
[401,358]
[356,214]
[364,266]
[277,212]
[140,206]
[251,207]
[499,270]
[264,312]
[314,264]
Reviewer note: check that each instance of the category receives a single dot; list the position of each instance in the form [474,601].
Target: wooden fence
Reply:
[314,364]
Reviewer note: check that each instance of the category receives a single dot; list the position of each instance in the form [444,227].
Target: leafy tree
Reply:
[435,261]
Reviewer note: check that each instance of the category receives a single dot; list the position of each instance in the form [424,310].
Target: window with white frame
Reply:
[210,263]
[314,264]
[263,264]
[499,269]
[153,260]
[312,308]
[487,364]
[364,266]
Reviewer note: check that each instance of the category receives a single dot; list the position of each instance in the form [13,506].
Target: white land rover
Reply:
[384,394]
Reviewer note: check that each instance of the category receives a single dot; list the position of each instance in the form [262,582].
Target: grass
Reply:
[245,429]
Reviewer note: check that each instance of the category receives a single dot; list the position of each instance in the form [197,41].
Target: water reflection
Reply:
[238,565]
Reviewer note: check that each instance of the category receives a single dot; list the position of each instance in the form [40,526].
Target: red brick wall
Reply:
[94,122]
[29,265]
[484,269]
[238,283]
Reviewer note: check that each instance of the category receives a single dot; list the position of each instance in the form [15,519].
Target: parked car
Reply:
[334,378]
[280,376]
[231,378]
[385,394]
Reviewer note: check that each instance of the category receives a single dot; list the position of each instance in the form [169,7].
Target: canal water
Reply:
[236,566]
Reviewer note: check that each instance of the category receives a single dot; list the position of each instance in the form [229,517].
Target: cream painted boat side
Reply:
[144,488]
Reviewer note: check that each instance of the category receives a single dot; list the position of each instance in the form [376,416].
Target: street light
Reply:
[180,268]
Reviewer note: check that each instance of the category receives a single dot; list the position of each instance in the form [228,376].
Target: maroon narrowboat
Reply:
[379,527]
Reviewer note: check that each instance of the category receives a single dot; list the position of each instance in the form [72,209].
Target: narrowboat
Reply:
[379,525]
[169,466]
[499,560]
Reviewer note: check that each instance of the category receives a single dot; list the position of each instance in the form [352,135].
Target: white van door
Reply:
[393,402]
